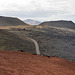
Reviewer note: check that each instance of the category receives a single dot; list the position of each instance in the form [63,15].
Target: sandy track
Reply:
[36,45]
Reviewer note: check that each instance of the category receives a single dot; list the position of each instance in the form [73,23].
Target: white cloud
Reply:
[38,9]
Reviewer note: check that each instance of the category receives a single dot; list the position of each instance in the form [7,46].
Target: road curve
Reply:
[36,45]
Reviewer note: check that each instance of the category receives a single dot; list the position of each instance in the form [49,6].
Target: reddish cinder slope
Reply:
[21,63]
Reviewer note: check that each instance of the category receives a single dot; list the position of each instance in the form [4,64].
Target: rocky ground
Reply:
[53,41]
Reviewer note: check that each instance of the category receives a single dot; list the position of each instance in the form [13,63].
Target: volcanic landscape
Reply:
[44,49]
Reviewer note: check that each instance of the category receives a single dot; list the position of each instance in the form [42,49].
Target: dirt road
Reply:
[36,45]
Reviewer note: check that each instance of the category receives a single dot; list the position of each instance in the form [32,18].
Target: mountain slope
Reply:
[32,22]
[53,41]
[10,41]
[61,23]
[21,63]
[9,21]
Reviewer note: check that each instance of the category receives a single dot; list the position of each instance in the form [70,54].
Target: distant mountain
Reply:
[60,23]
[32,22]
[9,21]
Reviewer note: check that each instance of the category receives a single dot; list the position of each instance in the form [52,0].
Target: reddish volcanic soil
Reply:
[21,63]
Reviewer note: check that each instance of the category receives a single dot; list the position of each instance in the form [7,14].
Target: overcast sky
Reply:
[41,10]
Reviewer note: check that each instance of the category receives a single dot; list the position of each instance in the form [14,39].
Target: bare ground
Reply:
[21,63]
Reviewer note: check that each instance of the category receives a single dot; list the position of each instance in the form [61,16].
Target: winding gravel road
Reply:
[36,45]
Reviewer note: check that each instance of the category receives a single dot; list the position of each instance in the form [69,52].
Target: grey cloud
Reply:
[58,9]
[35,13]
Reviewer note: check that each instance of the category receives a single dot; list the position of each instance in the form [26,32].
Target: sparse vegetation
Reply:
[54,38]
[53,41]
[10,41]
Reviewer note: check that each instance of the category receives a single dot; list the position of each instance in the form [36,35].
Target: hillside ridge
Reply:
[10,21]
[59,23]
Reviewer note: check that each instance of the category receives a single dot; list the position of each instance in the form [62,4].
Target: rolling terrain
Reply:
[9,21]
[60,23]
[10,41]
[48,43]
[53,40]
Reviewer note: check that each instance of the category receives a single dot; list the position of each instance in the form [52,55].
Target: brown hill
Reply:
[9,21]
[20,63]
[61,23]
